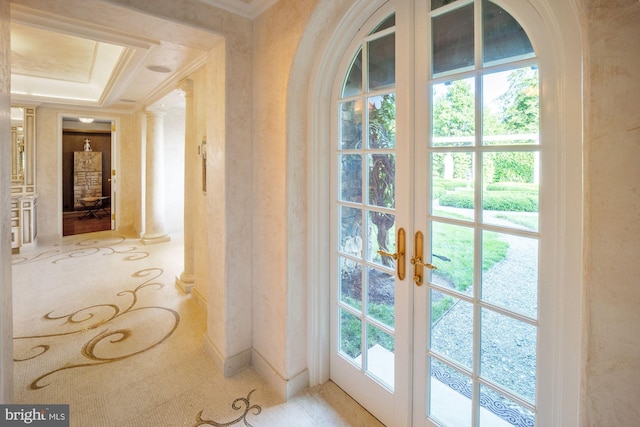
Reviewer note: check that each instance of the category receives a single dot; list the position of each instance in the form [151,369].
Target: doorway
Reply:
[439,182]
[86,176]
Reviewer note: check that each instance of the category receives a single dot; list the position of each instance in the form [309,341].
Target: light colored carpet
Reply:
[99,325]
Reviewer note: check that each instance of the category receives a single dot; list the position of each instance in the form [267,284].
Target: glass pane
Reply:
[508,353]
[351,283]
[380,355]
[382,62]
[452,328]
[350,336]
[382,121]
[350,177]
[382,236]
[351,231]
[510,272]
[387,23]
[510,196]
[452,185]
[382,180]
[439,3]
[353,82]
[351,125]
[452,252]
[511,107]
[453,40]
[381,296]
[502,36]
[498,411]
[450,396]
[453,121]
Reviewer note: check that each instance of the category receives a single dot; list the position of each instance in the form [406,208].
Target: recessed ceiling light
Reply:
[158,69]
[86,119]
[130,101]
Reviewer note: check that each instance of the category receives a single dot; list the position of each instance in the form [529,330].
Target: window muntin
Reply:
[366,157]
[484,154]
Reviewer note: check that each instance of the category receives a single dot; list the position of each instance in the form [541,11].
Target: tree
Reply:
[382,170]
[520,111]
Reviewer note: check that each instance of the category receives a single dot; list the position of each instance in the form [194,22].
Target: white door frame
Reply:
[563,27]
[114,156]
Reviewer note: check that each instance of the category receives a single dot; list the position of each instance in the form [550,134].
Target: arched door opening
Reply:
[415,96]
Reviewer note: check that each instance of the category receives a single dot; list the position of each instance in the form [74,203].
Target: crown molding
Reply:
[250,10]
[74,27]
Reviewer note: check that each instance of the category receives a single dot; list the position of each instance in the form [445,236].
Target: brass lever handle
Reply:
[398,256]
[417,262]
[394,256]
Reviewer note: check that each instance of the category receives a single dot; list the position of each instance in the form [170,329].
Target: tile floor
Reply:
[100,325]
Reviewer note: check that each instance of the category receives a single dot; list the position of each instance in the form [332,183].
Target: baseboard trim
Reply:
[199,299]
[231,365]
[286,388]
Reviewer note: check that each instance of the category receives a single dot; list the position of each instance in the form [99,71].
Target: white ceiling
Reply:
[94,55]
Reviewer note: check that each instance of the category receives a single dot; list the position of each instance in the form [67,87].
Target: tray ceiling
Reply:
[94,54]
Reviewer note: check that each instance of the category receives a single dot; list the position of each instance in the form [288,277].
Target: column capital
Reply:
[155,112]
[186,86]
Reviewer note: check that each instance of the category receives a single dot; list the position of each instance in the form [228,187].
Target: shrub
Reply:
[512,186]
[438,191]
[506,200]
[513,201]
[450,184]
[458,199]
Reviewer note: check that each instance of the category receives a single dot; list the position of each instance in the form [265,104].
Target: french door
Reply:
[436,217]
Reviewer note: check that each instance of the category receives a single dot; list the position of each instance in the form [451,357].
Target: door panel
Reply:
[463,170]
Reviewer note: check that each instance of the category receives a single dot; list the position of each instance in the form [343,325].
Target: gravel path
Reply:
[508,346]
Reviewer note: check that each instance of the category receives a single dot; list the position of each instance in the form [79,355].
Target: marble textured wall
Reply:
[279,303]
[229,171]
[6,313]
[612,188]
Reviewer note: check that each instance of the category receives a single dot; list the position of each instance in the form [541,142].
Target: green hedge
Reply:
[505,200]
[513,186]
[450,184]
[438,191]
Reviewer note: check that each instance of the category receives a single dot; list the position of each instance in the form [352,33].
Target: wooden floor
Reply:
[74,223]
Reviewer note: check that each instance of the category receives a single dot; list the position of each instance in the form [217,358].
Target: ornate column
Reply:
[186,279]
[154,216]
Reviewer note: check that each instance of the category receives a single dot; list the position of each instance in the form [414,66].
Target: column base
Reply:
[185,282]
[154,239]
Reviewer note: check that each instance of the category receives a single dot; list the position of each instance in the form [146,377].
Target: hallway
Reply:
[99,325]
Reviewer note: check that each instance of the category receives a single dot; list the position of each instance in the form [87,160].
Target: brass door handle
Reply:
[394,256]
[417,262]
[398,256]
